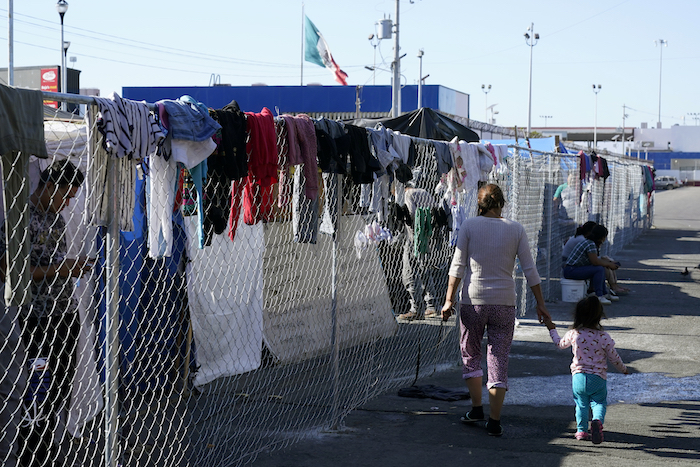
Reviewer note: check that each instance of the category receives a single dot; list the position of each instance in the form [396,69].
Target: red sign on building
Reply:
[49,82]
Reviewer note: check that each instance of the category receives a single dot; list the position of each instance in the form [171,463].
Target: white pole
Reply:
[303,43]
[529,96]
[10,45]
[63,67]
[624,115]
[396,81]
[596,90]
[420,79]
[661,43]
[531,43]
[595,127]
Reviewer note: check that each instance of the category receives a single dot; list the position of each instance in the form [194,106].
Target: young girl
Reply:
[592,348]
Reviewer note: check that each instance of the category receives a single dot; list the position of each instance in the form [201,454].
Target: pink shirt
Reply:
[592,349]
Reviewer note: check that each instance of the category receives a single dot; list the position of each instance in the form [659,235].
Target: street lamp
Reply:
[374,41]
[486,90]
[596,90]
[420,78]
[661,44]
[545,119]
[62,7]
[531,39]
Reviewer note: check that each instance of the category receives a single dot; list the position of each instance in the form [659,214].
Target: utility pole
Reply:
[396,68]
[624,116]
[420,79]
[531,40]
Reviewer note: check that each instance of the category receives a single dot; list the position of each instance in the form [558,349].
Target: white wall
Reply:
[682,138]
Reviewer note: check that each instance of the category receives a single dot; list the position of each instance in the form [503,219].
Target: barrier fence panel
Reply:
[230,343]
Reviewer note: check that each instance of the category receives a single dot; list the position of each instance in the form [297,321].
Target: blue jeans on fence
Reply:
[590,391]
[595,273]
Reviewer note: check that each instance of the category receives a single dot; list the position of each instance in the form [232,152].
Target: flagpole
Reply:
[302,44]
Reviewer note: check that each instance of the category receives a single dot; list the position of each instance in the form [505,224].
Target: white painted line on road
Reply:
[637,388]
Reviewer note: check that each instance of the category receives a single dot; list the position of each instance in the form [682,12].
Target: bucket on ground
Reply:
[572,290]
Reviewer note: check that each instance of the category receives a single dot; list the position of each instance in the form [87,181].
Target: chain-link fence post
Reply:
[111,321]
[335,341]
[549,202]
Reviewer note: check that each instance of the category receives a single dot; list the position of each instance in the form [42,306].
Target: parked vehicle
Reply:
[666,182]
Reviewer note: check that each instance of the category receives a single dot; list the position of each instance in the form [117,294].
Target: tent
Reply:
[424,123]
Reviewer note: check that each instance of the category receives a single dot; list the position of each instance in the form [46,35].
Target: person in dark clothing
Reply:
[49,323]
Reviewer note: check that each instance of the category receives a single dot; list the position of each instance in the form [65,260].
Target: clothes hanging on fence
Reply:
[485,160]
[332,155]
[303,150]
[284,186]
[161,188]
[127,132]
[257,188]
[189,120]
[228,162]
[329,219]
[382,143]
[21,135]
[262,147]
[230,158]
[443,156]
[189,129]
[226,309]
[304,211]
[362,163]
[423,229]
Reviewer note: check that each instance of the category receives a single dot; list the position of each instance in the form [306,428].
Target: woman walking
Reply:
[484,259]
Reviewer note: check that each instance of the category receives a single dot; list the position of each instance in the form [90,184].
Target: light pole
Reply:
[531,39]
[396,68]
[596,90]
[661,44]
[10,44]
[374,40]
[695,116]
[62,7]
[545,119]
[420,78]
[486,90]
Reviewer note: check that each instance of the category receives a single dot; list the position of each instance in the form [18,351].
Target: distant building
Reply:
[339,102]
[675,151]
[45,78]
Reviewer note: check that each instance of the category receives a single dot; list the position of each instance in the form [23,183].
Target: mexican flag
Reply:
[316,51]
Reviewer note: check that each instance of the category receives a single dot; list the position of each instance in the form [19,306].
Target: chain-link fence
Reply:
[244,338]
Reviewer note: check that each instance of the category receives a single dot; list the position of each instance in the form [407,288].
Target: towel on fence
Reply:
[226,307]
[21,135]
[22,117]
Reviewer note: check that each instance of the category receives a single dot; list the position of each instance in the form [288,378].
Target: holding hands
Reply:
[549,323]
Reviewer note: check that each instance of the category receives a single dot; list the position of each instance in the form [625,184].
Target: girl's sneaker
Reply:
[596,432]
[582,435]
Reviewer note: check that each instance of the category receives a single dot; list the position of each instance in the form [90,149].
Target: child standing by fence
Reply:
[592,348]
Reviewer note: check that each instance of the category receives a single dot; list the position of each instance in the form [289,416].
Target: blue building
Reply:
[341,101]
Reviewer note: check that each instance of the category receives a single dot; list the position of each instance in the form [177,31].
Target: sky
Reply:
[466,44]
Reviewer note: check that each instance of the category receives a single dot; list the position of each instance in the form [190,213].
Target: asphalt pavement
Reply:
[653,414]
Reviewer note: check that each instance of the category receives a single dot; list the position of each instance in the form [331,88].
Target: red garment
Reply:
[257,203]
[257,187]
[262,147]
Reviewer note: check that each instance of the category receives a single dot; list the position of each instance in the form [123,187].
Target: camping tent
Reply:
[424,123]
